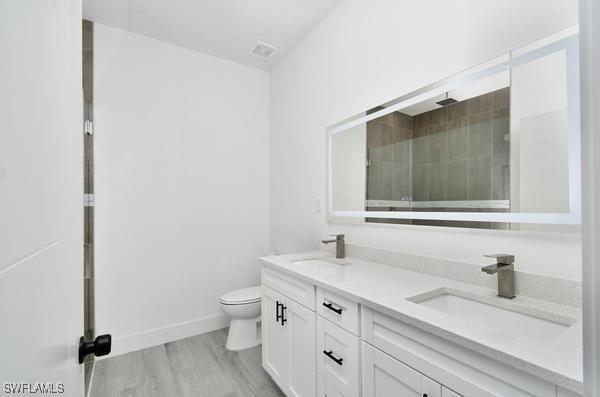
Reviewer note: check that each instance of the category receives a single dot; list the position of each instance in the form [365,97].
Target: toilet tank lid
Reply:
[251,294]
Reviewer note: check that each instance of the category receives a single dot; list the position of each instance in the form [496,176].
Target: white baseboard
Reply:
[170,333]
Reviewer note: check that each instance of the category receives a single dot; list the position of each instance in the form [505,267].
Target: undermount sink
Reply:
[321,265]
[510,319]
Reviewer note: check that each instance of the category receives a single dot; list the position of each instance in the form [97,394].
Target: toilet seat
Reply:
[242,296]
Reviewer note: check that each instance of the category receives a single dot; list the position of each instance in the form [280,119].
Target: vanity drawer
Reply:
[383,375]
[338,362]
[298,290]
[462,370]
[339,310]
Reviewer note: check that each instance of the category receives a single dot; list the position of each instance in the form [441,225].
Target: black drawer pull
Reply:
[330,307]
[331,356]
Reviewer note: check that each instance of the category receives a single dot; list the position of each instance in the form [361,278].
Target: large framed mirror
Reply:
[496,146]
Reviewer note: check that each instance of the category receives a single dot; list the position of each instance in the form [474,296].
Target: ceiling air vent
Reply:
[263,50]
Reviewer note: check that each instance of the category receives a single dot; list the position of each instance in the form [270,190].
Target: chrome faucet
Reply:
[340,246]
[505,269]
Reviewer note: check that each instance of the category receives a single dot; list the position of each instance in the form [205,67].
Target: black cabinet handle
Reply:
[277,315]
[283,319]
[331,356]
[330,307]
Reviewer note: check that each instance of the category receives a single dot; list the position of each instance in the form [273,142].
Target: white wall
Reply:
[370,52]
[182,178]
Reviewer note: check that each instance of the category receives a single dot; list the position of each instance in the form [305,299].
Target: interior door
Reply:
[41,147]
[274,337]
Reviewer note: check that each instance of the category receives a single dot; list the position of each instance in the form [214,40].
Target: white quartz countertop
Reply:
[386,288]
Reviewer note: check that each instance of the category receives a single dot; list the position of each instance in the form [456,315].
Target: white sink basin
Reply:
[325,267]
[538,326]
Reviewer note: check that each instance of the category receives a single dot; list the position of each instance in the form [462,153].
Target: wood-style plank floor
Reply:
[198,366]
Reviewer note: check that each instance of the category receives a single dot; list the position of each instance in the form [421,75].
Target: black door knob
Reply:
[100,346]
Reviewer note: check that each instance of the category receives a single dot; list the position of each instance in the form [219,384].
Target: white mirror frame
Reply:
[567,40]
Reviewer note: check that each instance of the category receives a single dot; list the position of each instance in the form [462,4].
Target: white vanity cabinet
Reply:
[288,336]
[310,342]
[318,342]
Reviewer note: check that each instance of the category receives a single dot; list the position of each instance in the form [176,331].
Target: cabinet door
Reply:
[385,376]
[274,338]
[301,345]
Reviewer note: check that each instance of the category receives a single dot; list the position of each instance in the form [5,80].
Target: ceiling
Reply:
[227,29]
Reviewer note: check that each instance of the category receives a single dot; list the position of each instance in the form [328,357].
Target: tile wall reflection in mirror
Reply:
[493,150]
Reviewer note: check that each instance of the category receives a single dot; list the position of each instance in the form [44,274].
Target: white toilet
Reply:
[243,306]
